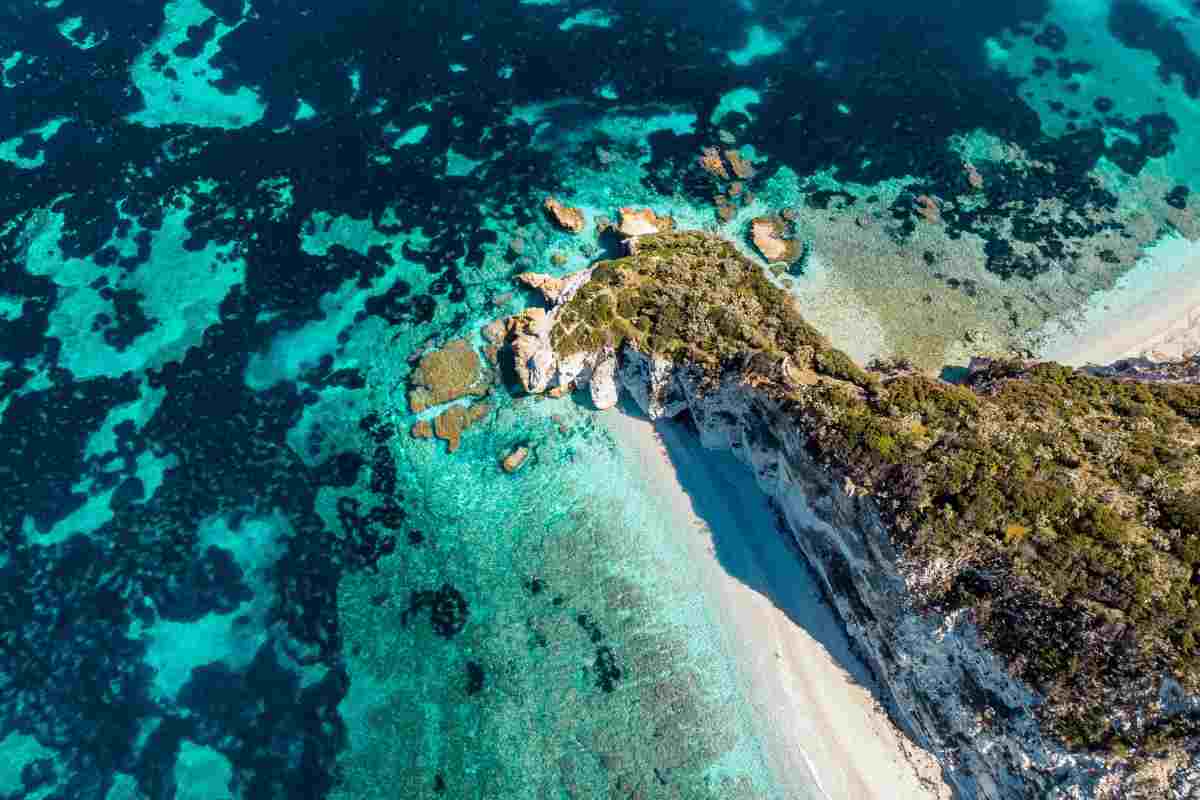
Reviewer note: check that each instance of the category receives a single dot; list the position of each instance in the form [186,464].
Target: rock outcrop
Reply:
[879,477]
[568,218]
[769,237]
[642,222]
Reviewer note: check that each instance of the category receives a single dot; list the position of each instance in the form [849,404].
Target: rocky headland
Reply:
[1015,558]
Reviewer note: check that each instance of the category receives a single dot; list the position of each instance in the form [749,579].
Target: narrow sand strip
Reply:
[820,724]
[1152,311]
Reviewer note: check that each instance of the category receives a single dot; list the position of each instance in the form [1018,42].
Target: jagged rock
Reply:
[767,234]
[642,221]
[514,460]
[548,285]
[422,430]
[566,217]
[450,373]
[533,357]
[650,380]
[603,381]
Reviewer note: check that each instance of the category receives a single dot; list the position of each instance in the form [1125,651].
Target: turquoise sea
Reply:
[228,230]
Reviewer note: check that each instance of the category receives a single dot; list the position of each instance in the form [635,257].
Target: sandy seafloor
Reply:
[227,228]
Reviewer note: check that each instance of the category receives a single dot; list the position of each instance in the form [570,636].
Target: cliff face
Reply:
[951,609]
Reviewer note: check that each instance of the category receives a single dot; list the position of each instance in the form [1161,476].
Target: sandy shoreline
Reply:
[1152,311]
[821,725]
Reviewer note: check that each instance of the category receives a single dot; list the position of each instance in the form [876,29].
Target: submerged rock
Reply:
[451,373]
[451,423]
[566,217]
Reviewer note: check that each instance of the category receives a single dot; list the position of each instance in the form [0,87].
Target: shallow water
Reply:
[226,227]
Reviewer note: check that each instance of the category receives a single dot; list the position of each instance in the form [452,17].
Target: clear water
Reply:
[226,229]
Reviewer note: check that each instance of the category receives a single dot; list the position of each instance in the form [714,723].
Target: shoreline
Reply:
[1153,310]
[810,696]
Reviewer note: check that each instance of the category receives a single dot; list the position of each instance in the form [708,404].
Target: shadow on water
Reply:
[748,541]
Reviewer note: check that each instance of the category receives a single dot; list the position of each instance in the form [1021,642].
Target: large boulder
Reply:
[565,217]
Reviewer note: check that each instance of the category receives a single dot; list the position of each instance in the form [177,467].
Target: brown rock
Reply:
[928,208]
[501,300]
[422,430]
[767,233]
[561,390]
[450,373]
[548,285]
[973,177]
[558,259]
[513,461]
[450,424]
[642,221]
[739,166]
[710,160]
[725,211]
[567,218]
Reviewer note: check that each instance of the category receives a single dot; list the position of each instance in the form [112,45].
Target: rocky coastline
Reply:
[770,389]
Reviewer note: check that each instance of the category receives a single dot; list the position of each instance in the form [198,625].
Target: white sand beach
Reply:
[819,720]
[1153,311]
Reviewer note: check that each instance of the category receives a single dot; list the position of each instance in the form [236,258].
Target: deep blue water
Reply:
[227,569]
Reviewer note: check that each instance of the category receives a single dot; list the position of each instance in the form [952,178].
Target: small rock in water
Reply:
[516,246]
[558,259]
[514,460]
[768,233]
[566,217]
[710,160]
